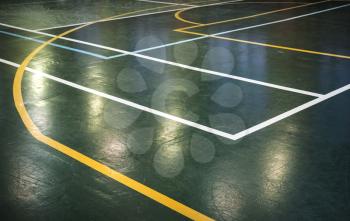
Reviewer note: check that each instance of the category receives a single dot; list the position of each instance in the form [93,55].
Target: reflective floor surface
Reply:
[174,110]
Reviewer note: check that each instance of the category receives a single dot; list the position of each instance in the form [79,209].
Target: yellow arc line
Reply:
[184,30]
[180,18]
[36,133]
[177,14]
[196,25]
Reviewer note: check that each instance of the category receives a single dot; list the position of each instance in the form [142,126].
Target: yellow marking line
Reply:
[270,45]
[270,3]
[185,30]
[197,25]
[93,164]
[199,6]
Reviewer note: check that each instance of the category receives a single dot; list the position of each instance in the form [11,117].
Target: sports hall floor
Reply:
[174,110]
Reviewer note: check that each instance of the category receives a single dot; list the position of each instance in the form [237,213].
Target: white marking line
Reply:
[201,69]
[134,16]
[236,136]
[31,3]
[165,3]
[236,30]
[272,3]
[125,102]
[111,19]
[279,21]
[290,112]
[234,77]
[213,4]
[26,29]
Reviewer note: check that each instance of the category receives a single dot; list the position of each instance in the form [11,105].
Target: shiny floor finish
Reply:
[174,110]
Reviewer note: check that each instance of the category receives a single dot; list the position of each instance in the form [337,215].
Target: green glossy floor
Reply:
[175,110]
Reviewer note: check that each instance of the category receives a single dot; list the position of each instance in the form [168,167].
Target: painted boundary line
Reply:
[282,20]
[218,35]
[125,102]
[32,3]
[204,36]
[197,25]
[207,129]
[165,3]
[263,2]
[291,112]
[267,45]
[202,6]
[58,46]
[112,19]
[131,16]
[178,42]
[234,77]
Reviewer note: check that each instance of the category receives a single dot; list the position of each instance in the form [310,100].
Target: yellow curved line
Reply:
[34,130]
[185,30]
[178,16]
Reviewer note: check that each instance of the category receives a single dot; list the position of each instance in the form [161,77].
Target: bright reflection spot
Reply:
[40,87]
[37,86]
[276,167]
[140,140]
[168,99]
[226,199]
[114,153]
[96,105]
[169,130]
[120,116]
[36,91]
[94,113]
[169,161]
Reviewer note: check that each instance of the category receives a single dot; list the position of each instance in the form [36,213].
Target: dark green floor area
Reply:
[295,169]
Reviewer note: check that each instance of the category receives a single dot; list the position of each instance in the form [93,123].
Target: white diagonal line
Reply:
[236,136]
[234,77]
